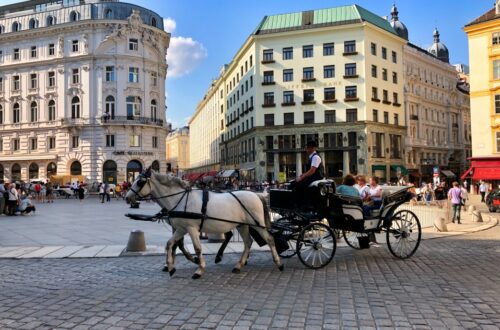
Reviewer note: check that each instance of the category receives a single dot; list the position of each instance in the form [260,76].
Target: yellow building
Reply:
[177,150]
[484,58]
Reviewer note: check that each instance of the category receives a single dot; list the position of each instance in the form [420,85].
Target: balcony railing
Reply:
[132,119]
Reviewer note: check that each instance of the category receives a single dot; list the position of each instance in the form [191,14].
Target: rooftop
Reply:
[488,16]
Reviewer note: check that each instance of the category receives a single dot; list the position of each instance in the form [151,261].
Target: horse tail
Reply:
[267,218]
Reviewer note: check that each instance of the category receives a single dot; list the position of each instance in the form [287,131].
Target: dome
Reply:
[438,49]
[396,24]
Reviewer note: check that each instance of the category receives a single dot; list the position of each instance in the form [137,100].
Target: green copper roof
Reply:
[321,17]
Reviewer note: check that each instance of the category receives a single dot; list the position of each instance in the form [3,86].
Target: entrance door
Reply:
[109,171]
[134,168]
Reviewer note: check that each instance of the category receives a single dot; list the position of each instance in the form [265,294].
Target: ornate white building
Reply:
[82,90]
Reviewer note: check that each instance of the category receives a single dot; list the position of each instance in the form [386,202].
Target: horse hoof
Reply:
[218,259]
[196,276]
[236,271]
[165,269]
[197,260]
[172,272]
[281,267]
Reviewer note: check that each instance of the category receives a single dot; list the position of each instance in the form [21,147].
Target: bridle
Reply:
[143,180]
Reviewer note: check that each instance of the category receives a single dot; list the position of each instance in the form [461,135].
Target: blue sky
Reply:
[206,34]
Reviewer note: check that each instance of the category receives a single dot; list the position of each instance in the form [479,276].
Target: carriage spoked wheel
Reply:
[351,238]
[404,234]
[316,245]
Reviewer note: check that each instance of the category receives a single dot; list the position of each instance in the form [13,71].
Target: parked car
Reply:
[493,200]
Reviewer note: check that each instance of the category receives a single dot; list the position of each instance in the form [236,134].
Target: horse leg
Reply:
[270,241]
[220,253]
[186,253]
[195,238]
[170,267]
[247,241]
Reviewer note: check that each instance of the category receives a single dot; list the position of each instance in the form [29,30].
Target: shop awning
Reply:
[227,174]
[448,174]
[486,173]
[403,169]
[466,173]
[379,167]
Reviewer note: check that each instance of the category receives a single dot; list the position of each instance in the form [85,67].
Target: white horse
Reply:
[224,212]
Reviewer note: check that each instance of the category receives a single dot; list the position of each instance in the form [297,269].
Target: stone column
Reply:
[276,166]
[345,167]
[298,160]
[323,160]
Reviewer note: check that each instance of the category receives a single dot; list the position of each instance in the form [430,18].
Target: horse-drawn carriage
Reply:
[311,228]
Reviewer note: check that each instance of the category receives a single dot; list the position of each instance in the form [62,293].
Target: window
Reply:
[154,110]
[134,105]
[33,52]
[384,53]
[16,27]
[251,81]
[374,71]
[287,75]
[330,116]
[268,77]
[154,142]
[33,112]
[75,141]
[15,144]
[16,113]
[33,23]
[110,73]
[378,145]
[52,110]
[33,81]
[396,119]
[133,44]
[497,104]
[154,79]
[75,76]
[1,84]
[350,69]
[153,22]
[328,49]
[329,71]
[108,14]
[51,77]
[386,117]
[52,142]
[498,141]
[251,60]
[384,74]
[329,94]
[75,107]
[394,57]
[495,38]
[288,118]
[394,77]
[308,73]
[351,115]
[269,120]
[73,16]
[269,99]
[1,115]
[307,51]
[16,54]
[375,115]
[16,83]
[288,97]
[308,95]
[267,55]
[351,92]
[52,50]
[496,69]
[288,53]
[1,56]
[133,75]
[50,20]
[309,117]
[349,47]
[1,150]
[373,47]
[134,141]
[74,46]
[2,29]
[374,93]
[33,144]
[396,146]
[109,107]
[395,98]
[385,95]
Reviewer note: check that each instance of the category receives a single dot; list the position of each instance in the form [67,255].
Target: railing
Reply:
[132,119]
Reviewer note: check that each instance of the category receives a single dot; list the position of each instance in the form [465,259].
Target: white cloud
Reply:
[184,55]
[169,24]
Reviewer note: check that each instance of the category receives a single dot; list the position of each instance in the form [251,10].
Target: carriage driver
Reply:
[314,171]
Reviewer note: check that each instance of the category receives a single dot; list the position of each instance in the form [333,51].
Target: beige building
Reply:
[177,150]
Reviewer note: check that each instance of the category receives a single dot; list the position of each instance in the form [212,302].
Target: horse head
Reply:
[140,187]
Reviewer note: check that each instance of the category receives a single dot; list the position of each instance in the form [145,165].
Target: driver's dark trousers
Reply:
[301,196]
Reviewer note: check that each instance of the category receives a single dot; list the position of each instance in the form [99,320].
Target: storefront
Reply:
[485,169]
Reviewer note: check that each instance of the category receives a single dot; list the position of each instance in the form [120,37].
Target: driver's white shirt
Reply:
[315,160]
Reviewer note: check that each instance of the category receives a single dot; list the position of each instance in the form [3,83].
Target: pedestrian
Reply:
[81,193]
[4,196]
[37,188]
[440,194]
[106,192]
[13,199]
[109,191]
[428,194]
[74,187]
[101,192]
[455,196]
[465,195]
[483,188]
[25,206]
[49,193]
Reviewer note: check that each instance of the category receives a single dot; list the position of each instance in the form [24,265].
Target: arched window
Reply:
[33,112]
[73,16]
[33,23]
[52,110]
[1,114]
[2,29]
[109,14]
[75,107]
[134,168]
[109,171]
[156,165]
[133,107]
[16,113]
[33,171]
[154,110]
[16,172]
[110,106]
[51,20]
[1,172]
[51,169]
[75,168]
[16,27]
[153,22]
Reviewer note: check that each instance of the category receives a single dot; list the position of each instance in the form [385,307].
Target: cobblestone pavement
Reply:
[451,282]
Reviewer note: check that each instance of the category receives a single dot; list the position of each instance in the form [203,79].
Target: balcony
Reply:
[269,61]
[132,120]
[396,104]
[268,105]
[351,99]
[351,76]
[308,102]
[349,53]
[308,79]
[266,83]
[329,101]
[287,104]
[386,102]
[374,99]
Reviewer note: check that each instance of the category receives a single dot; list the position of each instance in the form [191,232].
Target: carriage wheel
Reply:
[285,222]
[351,238]
[316,245]
[404,234]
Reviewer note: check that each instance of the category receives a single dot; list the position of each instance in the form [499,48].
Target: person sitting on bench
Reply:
[374,196]
[347,187]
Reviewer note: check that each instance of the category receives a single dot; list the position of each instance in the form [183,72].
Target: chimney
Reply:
[497,7]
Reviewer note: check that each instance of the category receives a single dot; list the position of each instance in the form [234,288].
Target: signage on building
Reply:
[281,177]
[133,153]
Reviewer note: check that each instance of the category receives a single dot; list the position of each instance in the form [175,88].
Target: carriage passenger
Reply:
[347,187]
[374,196]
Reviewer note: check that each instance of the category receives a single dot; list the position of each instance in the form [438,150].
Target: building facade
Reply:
[331,75]
[177,151]
[82,90]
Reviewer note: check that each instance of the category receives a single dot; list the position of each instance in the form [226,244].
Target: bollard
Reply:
[477,217]
[136,241]
[440,225]
[472,208]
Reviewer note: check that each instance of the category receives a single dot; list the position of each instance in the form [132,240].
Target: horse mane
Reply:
[168,180]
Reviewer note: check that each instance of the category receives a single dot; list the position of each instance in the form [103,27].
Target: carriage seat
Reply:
[317,182]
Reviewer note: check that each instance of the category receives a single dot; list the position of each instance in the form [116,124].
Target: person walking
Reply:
[3,197]
[465,195]
[13,199]
[101,192]
[81,193]
[49,193]
[483,188]
[455,196]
